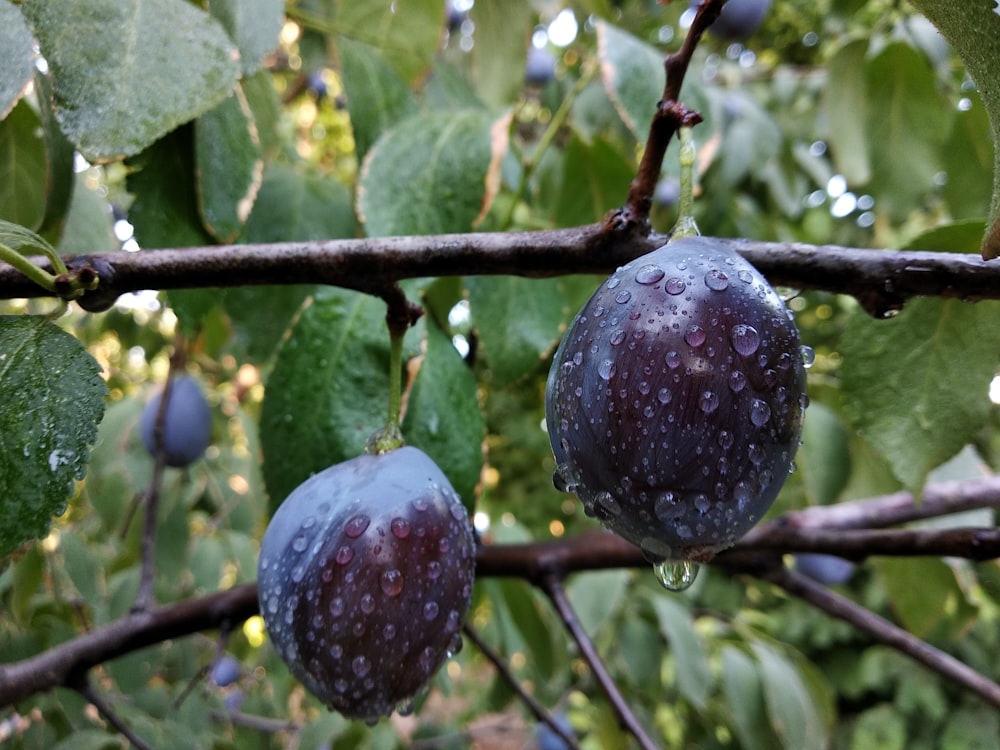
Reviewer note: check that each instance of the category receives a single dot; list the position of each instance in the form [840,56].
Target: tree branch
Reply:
[881,279]
[884,632]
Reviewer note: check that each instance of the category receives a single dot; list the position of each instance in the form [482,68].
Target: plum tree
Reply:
[187,423]
[365,576]
[675,401]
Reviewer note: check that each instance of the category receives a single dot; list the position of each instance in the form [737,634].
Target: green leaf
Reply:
[23,166]
[328,391]
[973,29]
[968,157]
[824,458]
[432,173]
[596,596]
[60,157]
[916,385]
[114,99]
[908,118]
[406,34]
[845,101]
[377,98]
[253,24]
[595,179]
[51,401]
[879,728]
[443,417]
[633,76]
[501,48]
[228,166]
[741,686]
[517,320]
[789,703]
[18,56]
[921,591]
[292,206]
[89,226]
[694,677]
[265,107]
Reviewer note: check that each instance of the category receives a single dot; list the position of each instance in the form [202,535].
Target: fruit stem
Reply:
[686,226]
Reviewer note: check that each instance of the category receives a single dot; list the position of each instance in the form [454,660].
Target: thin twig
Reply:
[537,709]
[883,631]
[109,715]
[553,588]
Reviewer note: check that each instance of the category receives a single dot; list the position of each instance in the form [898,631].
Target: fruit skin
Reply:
[826,569]
[675,401]
[540,66]
[547,739]
[365,575]
[187,425]
[739,19]
[226,671]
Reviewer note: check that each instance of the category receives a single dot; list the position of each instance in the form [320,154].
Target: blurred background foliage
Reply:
[845,122]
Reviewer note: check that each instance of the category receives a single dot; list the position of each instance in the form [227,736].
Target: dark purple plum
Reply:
[226,670]
[825,569]
[187,424]
[675,401]
[540,66]
[365,575]
[739,19]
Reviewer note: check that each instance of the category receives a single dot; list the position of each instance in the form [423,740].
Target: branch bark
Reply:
[882,280]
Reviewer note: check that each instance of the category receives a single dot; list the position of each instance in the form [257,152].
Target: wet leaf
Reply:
[18,55]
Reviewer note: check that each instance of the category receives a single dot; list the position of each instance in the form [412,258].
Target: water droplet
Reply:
[344,555]
[430,611]
[367,604]
[701,503]
[745,276]
[709,402]
[613,282]
[695,336]
[617,337]
[606,369]
[808,356]
[716,280]
[673,360]
[745,339]
[356,526]
[298,572]
[300,543]
[562,480]
[674,286]
[664,396]
[336,606]
[391,582]
[609,503]
[648,274]
[433,570]
[361,666]
[308,522]
[389,631]
[676,575]
[760,412]
[623,296]
[400,528]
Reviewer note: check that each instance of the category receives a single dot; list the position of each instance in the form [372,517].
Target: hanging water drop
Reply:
[676,575]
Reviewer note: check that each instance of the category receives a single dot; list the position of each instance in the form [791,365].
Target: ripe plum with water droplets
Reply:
[675,401]
[365,575]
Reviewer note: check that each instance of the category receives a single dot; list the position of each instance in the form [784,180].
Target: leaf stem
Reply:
[38,275]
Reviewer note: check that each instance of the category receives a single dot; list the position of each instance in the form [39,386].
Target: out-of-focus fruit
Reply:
[826,569]
[187,424]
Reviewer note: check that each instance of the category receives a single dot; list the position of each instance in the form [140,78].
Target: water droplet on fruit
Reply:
[664,396]
[708,402]
[808,356]
[361,666]
[617,337]
[674,286]
[400,528]
[676,575]
[613,282]
[695,336]
[389,631]
[745,276]
[300,543]
[344,555]
[649,274]
[760,412]
[622,297]
[391,582]
[298,573]
[737,381]
[673,360]
[308,522]
[606,370]
[716,280]
[367,604]
[745,339]
[430,611]
[356,526]
[609,503]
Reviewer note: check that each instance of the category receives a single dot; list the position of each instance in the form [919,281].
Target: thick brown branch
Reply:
[882,279]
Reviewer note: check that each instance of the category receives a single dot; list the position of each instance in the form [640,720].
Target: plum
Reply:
[825,569]
[365,575]
[226,670]
[675,400]
[187,424]
[739,19]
